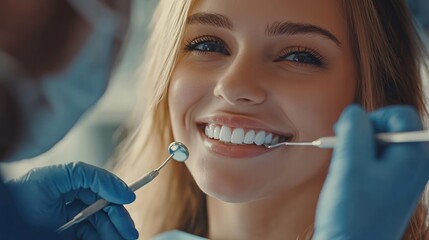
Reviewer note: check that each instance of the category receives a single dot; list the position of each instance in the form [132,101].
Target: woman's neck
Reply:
[282,217]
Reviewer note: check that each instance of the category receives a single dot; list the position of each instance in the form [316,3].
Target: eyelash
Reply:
[206,39]
[309,54]
[315,58]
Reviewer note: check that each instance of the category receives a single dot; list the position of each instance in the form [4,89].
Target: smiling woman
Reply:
[225,77]
[256,81]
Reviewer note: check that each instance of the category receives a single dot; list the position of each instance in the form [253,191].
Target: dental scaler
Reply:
[329,142]
[177,151]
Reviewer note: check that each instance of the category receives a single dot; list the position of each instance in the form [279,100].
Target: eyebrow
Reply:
[274,29]
[216,20]
[280,28]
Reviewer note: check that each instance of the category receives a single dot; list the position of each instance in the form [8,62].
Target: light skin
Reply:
[240,69]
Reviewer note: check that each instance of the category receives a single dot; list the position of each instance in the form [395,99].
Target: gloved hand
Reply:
[372,190]
[51,196]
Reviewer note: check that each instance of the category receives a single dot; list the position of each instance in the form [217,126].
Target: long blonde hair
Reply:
[388,73]
[174,197]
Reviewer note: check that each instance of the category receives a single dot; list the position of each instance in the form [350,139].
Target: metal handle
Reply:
[393,137]
[416,136]
[95,207]
[101,203]
[325,142]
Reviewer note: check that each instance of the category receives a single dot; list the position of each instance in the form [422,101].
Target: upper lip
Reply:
[235,121]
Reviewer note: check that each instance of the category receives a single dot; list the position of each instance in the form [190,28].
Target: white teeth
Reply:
[225,134]
[240,136]
[260,138]
[250,137]
[237,136]
[268,139]
[216,132]
[210,130]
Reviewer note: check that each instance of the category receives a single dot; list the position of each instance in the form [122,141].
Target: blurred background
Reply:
[95,136]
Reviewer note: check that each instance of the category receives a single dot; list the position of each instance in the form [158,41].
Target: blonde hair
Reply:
[173,198]
[174,201]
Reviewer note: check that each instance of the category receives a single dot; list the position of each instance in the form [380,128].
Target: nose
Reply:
[241,83]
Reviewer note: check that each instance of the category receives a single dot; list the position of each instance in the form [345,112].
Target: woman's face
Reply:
[260,71]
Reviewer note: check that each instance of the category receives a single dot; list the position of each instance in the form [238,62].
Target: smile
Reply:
[241,136]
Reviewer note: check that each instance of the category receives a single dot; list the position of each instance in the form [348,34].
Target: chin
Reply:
[231,190]
[231,196]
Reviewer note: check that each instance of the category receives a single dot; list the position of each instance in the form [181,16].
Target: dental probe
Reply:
[329,142]
[177,151]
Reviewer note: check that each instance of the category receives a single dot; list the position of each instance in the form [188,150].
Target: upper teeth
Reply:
[239,135]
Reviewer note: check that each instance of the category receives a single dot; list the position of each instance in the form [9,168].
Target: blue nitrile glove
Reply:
[372,190]
[51,196]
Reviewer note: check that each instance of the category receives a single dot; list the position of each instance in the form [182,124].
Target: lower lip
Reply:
[233,150]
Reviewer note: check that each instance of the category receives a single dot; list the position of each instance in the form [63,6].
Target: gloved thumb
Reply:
[355,137]
[62,179]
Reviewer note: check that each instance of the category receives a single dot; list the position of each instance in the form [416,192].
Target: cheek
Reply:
[314,110]
[188,95]
[315,106]
[187,92]
[179,100]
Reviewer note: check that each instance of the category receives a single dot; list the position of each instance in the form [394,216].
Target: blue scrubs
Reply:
[420,11]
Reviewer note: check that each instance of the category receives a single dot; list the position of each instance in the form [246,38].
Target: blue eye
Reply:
[207,44]
[305,56]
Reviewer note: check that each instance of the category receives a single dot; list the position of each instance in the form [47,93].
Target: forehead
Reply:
[256,14]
